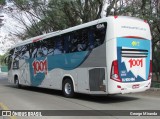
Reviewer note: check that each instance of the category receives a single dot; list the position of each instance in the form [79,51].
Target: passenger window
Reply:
[96,35]
[25,52]
[82,40]
[58,49]
[76,41]
[50,44]
[100,32]
[66,38]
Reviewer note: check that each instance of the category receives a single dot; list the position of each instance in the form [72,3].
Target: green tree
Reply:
[2,60]
[2,2]
[57,15]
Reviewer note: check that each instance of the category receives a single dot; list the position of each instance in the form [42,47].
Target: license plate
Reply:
[135,86]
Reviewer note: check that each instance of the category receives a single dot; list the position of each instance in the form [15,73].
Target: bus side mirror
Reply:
[5,60]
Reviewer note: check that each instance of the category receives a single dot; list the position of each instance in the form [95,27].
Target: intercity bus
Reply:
[111,55]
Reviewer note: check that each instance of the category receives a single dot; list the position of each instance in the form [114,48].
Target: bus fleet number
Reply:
[138,62]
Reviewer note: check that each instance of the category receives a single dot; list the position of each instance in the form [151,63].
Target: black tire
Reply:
[17,82]
[67,88]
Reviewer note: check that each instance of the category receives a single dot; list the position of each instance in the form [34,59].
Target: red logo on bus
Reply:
[138,62]
[40,66]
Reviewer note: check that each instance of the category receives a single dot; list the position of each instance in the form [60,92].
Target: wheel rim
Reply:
[68,88]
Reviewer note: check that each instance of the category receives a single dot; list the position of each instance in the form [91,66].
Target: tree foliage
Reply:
[55,15]
[2,59]
[2,2]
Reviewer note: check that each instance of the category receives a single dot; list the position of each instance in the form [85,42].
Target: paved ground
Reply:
[29,98]
[152,92]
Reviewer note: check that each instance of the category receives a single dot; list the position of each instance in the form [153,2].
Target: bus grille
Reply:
[134,53]
[96,77]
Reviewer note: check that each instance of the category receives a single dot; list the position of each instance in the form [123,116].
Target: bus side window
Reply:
[37,49]
[24,52]
[58,45]
[100,32]
[66,43]
[74,41]
[50,46]
[33,50]
[82,40]
[41,49]
[91,38]
[17,54]
[44,48]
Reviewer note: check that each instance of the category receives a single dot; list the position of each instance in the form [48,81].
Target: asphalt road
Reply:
[30,98]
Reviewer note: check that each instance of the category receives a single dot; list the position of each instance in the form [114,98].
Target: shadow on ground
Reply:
[94,98]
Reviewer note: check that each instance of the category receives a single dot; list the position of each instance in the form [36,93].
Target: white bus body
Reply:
[107,56]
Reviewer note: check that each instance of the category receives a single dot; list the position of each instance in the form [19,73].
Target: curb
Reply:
[153,92]
[154,89]
[3,73]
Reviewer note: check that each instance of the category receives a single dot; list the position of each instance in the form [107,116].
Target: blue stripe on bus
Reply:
[63,61]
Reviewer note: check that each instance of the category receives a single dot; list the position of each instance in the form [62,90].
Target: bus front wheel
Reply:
[17,82]
[68,90]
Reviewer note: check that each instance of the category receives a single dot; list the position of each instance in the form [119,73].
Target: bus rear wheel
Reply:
[67,87]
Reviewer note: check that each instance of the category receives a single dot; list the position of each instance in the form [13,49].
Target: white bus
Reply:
[111,55]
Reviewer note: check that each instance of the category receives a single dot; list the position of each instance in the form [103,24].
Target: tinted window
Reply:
[10,58]
[50,44]
[97,35]
[59,45]
[24,53]
[76,41]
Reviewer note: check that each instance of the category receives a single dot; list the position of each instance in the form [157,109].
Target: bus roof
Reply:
[111,20]
[129,27]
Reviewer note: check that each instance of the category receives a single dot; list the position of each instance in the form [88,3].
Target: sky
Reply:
[7,40]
